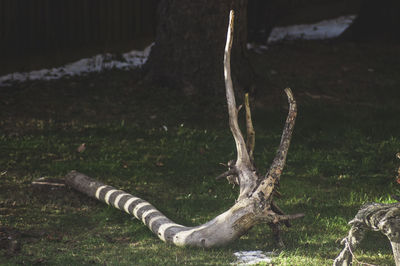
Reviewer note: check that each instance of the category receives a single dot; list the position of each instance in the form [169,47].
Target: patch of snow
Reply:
[325,29]
[252,257]
[96,63]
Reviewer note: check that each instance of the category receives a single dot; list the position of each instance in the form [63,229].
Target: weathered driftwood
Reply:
[255,202]
[377,217]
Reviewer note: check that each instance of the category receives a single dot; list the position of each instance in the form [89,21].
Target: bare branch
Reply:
[275,208]
[280,157]
[273,175]
[271,217]
[52,182]
[250,134]
[242,155]
[48,184]
[287,217]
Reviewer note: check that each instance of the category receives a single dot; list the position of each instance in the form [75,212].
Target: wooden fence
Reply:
[29,26]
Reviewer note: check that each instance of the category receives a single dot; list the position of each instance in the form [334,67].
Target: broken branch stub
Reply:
[255,201]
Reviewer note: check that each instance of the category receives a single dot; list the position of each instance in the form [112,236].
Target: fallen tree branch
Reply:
[254,204]
[376,217]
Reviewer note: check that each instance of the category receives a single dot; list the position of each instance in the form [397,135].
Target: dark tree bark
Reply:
[376,21]
[262,16]
[189,45]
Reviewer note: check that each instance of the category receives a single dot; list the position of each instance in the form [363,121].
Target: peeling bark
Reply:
[376,217]
[255,201]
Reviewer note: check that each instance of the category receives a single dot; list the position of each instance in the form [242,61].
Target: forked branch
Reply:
[253,206]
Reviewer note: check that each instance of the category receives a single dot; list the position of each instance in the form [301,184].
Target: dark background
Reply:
[51,32]
[45,33]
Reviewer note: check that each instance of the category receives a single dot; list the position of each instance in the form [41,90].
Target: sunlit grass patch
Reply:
[175,170]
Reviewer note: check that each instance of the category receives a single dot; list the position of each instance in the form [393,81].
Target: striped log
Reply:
[222,229]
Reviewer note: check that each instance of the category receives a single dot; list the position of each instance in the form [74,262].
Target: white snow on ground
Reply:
[325,29]
[252,257]
[322,30]
[96,63]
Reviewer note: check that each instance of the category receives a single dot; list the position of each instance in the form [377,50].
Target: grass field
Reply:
[167,149]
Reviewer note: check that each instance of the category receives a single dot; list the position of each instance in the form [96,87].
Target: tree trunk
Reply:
[262,16]
[187,54]
[376,217]
[376,21]
[255,202]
